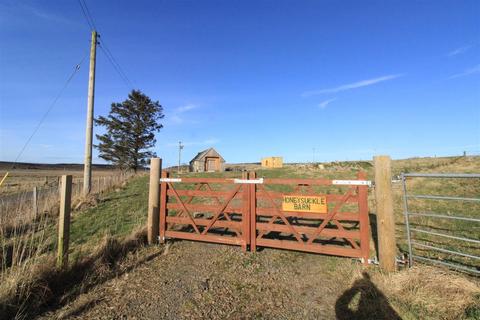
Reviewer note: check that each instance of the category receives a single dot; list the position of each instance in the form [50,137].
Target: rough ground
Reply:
[191,280]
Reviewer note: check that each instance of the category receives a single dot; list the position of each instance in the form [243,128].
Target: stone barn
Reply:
[207,161]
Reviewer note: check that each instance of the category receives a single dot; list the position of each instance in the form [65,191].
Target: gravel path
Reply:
[191,280]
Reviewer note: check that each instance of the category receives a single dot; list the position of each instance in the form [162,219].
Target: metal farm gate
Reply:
[443,228]
[313,215]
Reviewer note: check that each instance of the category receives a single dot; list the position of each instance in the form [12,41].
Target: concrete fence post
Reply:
[64,220]
[154,200]
[385,216]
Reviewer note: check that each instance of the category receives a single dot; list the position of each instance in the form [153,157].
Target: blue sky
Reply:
[349,79]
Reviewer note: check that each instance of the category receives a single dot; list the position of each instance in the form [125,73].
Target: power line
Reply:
[116,66]
[87,15]
[77,68]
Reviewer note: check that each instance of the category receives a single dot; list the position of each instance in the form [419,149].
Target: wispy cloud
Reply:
[355,85]
[177,115]
[458,51]
[470,71]
[324,104]
[44,14]
[209,142]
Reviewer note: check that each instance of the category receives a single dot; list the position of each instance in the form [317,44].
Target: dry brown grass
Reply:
[432,292]
[25,290]
[27,243]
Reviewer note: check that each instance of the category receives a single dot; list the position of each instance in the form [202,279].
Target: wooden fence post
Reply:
[64,221]
[35,202]
[154,200]
[385,217]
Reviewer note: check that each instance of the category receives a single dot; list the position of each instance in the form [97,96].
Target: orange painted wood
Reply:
[347,216]
[197,207]
[330,197]
[202,193]
[326,232]
[205,222]
[316,248]
[206,237]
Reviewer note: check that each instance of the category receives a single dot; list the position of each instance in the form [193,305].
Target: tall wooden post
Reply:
[385,216]
[87,169]
[64,221]
[154,200]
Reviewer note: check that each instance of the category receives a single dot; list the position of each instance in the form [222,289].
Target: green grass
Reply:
[118,214]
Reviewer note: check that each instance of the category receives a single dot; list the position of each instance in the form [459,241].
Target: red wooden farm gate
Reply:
[252,213]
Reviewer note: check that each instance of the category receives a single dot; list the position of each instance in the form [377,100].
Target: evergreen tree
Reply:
[130,131]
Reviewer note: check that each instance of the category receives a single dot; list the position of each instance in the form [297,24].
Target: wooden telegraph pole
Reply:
[87,168]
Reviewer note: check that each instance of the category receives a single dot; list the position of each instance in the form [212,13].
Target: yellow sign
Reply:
[305,204]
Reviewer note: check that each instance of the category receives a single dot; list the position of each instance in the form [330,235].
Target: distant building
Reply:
[207,161]
[272,162]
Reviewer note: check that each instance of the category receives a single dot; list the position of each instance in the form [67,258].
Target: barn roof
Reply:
[210,152]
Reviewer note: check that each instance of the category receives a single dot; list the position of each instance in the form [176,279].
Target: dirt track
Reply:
[191,280]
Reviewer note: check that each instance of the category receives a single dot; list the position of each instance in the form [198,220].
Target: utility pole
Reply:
[180,147]
[87,167]
[313,155]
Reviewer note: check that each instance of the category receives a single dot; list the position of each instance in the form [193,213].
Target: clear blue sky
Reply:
[250,78]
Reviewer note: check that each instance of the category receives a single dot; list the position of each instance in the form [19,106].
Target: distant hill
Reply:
[7,165]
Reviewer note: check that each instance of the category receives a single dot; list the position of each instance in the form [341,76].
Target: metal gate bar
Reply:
[409,229]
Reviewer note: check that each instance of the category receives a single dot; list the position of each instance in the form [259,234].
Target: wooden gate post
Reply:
[385,216]
[154,200]
[253,213]
[364,219]
[64,221]
[163,207]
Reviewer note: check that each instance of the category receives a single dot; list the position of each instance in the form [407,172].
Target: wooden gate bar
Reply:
[345,216]
[204,207]
[316,248]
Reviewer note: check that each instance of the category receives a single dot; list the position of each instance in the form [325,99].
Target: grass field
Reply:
[121,212]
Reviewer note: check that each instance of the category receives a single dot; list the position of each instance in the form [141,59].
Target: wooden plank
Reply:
[327,232]
[385,218]
[197,207]
[278,195]
[253,213]
[347,216]
[364,219]
[315,248]
[205,238]
[201,193]
[163,208]
[204,222]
